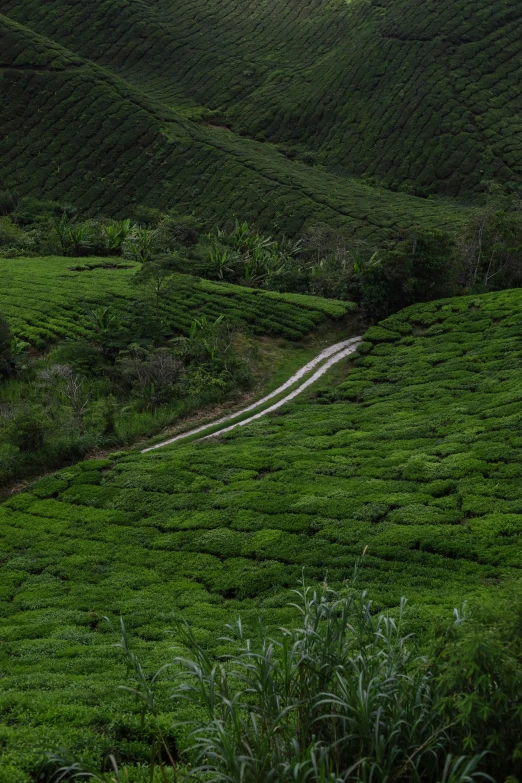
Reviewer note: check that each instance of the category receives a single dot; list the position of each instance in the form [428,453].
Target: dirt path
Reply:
[326,359]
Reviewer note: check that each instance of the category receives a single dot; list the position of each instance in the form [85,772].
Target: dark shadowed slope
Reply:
[73,130]
[424,96]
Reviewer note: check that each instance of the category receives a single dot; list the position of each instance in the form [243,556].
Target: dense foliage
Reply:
[106,351]
[420,265]
[416,454]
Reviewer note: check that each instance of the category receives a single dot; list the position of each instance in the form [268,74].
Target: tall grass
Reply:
[343,696]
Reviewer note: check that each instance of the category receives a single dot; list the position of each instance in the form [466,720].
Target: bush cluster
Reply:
[120,380]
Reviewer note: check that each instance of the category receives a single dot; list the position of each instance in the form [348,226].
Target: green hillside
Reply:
[92,357]
[423,96]
[45,299]
[178,180]
[74,131]
[416,455]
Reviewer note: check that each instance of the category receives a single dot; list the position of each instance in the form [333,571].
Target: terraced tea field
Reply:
[417,455]
[368,118]
[105,145]
[46,299]
[425,97]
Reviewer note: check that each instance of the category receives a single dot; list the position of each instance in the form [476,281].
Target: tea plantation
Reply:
[46,299]
[424,96]
[416,455]
[74,131]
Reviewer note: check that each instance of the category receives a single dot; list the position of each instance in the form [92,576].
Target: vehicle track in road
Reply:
[326,359]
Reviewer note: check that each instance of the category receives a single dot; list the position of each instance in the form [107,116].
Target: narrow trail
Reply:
[327,358]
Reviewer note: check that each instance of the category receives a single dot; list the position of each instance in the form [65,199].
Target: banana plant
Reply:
[61,228]
[102,317]
[18,347]
[374,260]
[76,237]
[222,261]
[202,329]
[141,243]
[116,233]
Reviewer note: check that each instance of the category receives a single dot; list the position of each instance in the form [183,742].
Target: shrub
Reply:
[28,429]
[152,375]
[11,235]
[9,200]
[6,341]
[479,680]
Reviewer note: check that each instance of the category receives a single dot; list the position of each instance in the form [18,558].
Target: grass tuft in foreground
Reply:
[343,695]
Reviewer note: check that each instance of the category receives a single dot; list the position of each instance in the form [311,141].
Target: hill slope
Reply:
[45,300]
[424,96]
[417,455]
[73,130]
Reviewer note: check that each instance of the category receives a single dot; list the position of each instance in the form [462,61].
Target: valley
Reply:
[260,391]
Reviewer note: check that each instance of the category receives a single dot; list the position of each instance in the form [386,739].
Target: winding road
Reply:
[324,360]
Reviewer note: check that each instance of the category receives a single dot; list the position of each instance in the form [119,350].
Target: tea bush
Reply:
[47,299]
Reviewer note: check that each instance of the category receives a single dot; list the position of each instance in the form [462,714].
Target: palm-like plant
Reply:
[222,261]
[116,233]
[77,237]
[141,243]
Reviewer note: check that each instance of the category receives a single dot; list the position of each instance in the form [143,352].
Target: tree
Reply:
[222,261]
[77,239]
[490,249]
[28,428]
[71,387]
[9,201]
[422,266]
[156,278]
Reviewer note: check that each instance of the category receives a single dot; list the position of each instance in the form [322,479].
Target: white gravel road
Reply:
[326,359]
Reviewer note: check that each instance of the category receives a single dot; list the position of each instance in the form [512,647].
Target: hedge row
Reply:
[76,132]
[425,98]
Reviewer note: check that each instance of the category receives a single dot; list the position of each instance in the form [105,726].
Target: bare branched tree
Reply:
[71,387]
